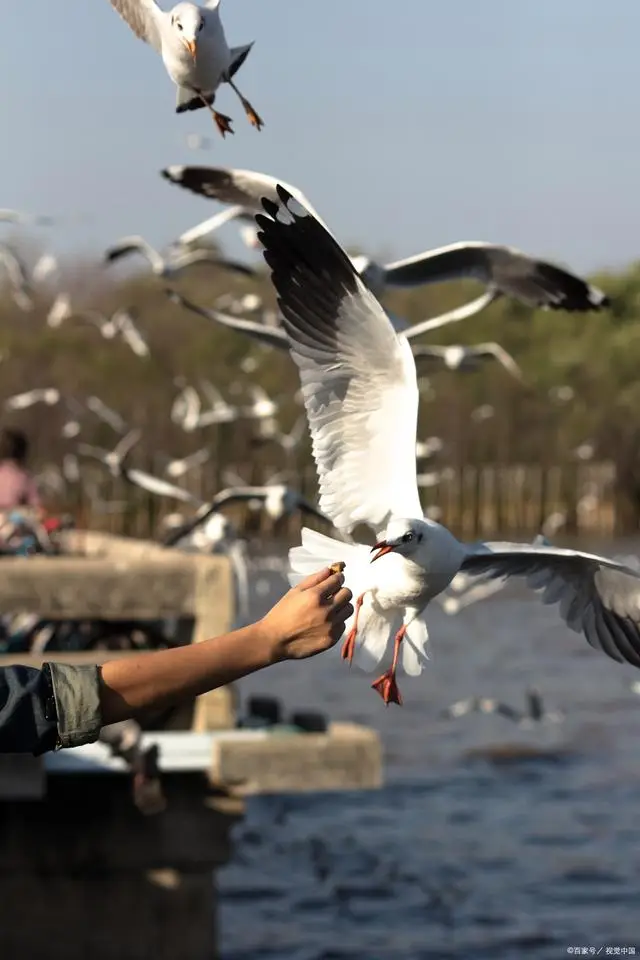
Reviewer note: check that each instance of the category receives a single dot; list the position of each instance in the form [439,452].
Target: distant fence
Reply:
[473,501]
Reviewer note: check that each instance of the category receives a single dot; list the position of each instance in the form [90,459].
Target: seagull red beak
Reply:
[191,47]
[382,547]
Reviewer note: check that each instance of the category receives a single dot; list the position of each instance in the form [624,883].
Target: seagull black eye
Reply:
[178,25]
[407,538]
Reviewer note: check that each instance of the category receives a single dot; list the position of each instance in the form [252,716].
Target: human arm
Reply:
[65,706]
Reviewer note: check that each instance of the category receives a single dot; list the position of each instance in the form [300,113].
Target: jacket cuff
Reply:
[77,695]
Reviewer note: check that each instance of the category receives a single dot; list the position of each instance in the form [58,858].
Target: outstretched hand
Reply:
[310,618]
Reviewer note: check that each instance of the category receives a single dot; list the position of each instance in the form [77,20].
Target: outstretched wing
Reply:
[598,597]
[143,16]
[246,188]
[533,282]
[358,377]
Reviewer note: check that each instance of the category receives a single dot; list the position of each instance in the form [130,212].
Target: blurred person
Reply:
[17,486]
[65,706]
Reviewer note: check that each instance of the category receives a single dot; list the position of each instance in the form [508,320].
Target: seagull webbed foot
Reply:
[223,123]
[254,118]
[387,687]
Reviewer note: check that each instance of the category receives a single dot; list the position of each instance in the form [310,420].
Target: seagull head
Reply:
[406,537]
[187,19]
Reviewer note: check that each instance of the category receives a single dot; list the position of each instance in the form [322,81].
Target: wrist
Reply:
[270,644]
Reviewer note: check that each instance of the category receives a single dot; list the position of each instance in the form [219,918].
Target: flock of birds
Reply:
[358,366]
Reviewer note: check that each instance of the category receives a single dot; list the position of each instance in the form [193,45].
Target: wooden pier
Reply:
[82,872]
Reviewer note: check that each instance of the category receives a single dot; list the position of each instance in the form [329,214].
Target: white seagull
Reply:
[361,397]
[533,713]
[466,358]
[22,401]
[180,467]
[193,47]
[176,262]
[16,272]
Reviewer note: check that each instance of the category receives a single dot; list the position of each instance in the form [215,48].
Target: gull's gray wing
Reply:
[358,376]
[598,597]
[535,283]
[144,18]
[271,336]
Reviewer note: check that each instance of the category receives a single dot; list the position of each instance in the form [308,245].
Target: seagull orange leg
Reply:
[349,645]
[386,684]
[254,119]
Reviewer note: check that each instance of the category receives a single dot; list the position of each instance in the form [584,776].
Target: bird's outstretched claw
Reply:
[387,687]
[223,123]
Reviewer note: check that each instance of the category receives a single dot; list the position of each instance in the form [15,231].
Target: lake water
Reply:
[470,850]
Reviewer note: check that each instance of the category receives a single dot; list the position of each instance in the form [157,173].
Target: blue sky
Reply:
[408,124]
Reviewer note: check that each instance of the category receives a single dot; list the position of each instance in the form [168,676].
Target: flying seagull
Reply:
[169,267]
[455,357]
[361,398]
[504,270]
[22,401]
[534,711]
[17,276]
[193,46]
[115,459]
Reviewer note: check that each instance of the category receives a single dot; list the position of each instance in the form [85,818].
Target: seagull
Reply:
[533,713]
[426,449]
[166,268]
[59,311]
[220,411]
[504,270]
[115,461]
[17,275]
[262,407]
[179,468]
[277,499]
[112,458]
[466,358]
[131,334]
[22,401]
[47,266]
[107,414]
[185,410]
[193,46]
[361,398]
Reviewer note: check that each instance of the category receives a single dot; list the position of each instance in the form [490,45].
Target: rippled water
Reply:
[470,850]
